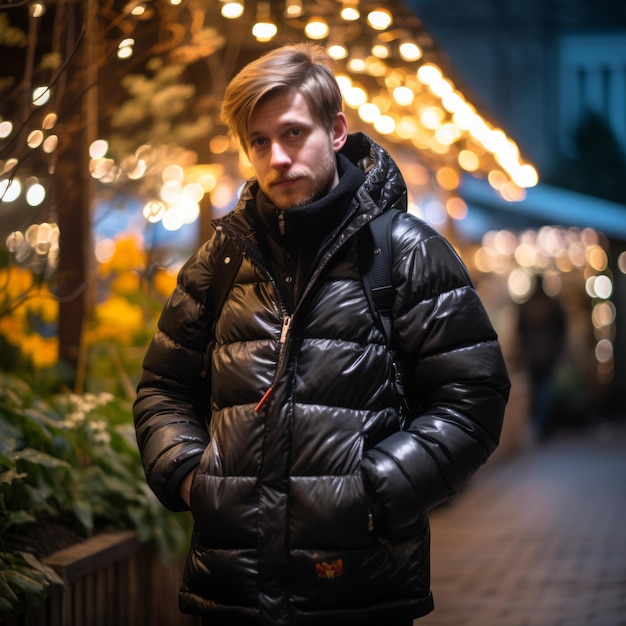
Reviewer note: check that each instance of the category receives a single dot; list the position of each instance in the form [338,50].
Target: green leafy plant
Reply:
[70,460]
[24,580]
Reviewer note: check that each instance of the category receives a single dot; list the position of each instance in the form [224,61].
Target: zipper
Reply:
[285,328]
[281,356]
[281,223]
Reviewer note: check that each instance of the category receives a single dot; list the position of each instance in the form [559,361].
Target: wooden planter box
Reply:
[111,580]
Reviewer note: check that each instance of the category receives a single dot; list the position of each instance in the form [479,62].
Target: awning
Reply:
[543,205]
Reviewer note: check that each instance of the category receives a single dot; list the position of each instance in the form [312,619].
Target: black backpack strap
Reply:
[375,261]
[375,264]
[223,276]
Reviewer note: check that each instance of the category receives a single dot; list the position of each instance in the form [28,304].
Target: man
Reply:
[279,425]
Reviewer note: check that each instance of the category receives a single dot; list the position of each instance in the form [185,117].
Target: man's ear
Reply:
[340,131]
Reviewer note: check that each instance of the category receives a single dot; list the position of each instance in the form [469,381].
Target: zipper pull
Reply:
[285,329]
[262,401]
[283,338]
[281,222]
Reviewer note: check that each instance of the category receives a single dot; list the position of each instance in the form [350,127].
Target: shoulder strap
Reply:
[223,277]
[375,265]
[375,259]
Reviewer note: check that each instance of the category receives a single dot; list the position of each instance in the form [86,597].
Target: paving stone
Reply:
[538,539]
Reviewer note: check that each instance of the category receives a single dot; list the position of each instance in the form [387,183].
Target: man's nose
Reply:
[279,156]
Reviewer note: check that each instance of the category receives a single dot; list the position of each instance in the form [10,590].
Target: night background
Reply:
[508,121]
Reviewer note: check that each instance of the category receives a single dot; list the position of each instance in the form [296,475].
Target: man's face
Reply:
[291,152]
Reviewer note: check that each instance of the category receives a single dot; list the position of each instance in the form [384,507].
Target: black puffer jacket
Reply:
[285,490]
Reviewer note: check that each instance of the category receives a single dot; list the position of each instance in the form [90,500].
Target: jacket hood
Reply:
[384,182]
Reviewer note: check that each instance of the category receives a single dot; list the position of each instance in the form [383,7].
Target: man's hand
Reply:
[185,489]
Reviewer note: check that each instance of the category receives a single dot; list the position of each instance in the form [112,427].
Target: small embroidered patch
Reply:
[329,570]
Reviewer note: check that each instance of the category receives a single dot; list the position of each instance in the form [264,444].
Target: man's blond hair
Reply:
[305,68]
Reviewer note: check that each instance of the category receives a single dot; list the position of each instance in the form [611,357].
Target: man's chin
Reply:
[291,202]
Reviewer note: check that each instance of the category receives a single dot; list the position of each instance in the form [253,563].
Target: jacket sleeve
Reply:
[455,377]
[172,407]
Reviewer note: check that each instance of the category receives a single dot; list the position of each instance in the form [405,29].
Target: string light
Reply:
[337,51]
[37,9]
[400,108]
[293,8]
[232,10]
[410,51]
[510,175]
[6,128]
[125,48]
[264,30]
[381,50]
[35,194]
[403,95]
[357,60]
[41,95]
[316,28]
[380,19]
[138,10]
[350,12]
[10,189]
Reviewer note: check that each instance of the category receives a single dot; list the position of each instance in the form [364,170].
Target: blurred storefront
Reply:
[569,247]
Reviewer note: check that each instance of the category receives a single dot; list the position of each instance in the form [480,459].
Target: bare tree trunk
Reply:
[75,193]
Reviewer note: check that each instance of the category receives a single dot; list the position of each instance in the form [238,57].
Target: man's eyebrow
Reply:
[283,125]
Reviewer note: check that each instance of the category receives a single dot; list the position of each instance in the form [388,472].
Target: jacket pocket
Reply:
[227,578]
[225,511]
[224,508]
[328,511]
[206,460]
[389,572]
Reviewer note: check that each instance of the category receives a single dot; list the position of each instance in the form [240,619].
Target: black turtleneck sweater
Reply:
[295,236]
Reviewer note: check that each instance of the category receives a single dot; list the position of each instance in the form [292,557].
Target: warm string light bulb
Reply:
[316,28]
[264,29]
[410,51]
[381,50]
[337,51]
[293,8]
[350,11]
[37,9]
[380,19]
[138,10]
[6,127]
[125,48]
[357,60]
[232,10]
[40,96]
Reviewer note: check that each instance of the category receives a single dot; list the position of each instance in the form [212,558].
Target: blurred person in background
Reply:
[542,326]
[280,423]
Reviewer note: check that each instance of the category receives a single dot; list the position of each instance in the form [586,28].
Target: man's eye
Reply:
[296,132]
[258,143]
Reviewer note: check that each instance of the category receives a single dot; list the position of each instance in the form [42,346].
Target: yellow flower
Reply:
[127,255]
[43,351]
[126,282]
[45,305]
[164,282]
[17,280]
[117,319]
[13,328]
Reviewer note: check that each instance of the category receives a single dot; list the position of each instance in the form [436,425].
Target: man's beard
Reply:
[324,175]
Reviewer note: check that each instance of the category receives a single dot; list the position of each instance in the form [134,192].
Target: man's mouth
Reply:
[285,182]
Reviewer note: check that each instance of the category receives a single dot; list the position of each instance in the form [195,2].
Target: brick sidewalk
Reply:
[537,540]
